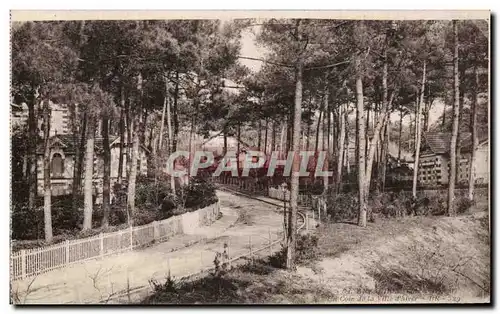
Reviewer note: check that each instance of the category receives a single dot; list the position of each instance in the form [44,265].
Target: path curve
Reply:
[98,280]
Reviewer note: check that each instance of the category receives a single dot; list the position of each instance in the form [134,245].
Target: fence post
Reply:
[66,243]
[23,264]
[101,238]
[156,231]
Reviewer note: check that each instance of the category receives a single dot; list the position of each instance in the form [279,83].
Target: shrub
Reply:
[463,204]
[306,251]
[26,223]
[278,259]
[437,204]
[144,217]
[198,193]
[342,207]
[307,248]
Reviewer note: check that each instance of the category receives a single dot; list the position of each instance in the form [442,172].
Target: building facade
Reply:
[62,159]
[434,163]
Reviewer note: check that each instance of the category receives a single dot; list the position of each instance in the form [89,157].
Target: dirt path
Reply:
[95,280]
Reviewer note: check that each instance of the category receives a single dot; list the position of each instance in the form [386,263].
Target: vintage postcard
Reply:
[250,157]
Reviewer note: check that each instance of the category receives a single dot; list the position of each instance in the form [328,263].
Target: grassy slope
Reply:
[416,259]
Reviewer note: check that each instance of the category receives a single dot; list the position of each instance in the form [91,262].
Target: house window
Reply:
[57,165]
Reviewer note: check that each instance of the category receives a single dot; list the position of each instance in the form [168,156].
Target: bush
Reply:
[306,251]
[307,248]
[342,207]
[198,193]
[144,217]
[154,201]
[437,204]
[463,204]
[27,224]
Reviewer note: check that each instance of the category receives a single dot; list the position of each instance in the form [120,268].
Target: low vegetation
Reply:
[153,199]
[344,207]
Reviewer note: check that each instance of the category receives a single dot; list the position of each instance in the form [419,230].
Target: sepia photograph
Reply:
[250,157]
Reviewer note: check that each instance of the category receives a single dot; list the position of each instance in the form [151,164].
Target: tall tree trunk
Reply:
[134,157]
[162,123]
[443,121]
[133,173]
[400,133]
[418,133]
[316,145]
[31,150]
[473,119]
[454,134]
[142,135]
[341,143]
[379,126]
[122,135]
[282,138]
[238,147]
[329,131]
[308,134]
[80,158]
[459,135]
[294,184]
[130,127]
[89,174]
[412,136]
[385,152]
[428,106]
[192,131]
[325,138]
[360,116]
[259,139]
[367,130]
[75,188]
[47,194]
[265,136]
[106,179]
[289,135]
[346,145]
[225,141]
[79,146]
[175,115]
[273,137]
[170,135]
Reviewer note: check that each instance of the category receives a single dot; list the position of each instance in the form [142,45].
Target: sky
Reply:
[251,49]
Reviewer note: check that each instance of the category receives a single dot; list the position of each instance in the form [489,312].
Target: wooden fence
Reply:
[256,248]
[31,262]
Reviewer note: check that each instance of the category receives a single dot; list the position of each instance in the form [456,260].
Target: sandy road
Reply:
[94,281]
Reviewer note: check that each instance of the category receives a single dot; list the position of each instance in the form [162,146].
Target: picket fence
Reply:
[31,262]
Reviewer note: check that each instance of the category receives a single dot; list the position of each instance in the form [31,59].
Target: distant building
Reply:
[434,163]
[59,118]
[62,157]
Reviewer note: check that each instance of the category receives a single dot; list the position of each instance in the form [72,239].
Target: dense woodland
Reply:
[322,83]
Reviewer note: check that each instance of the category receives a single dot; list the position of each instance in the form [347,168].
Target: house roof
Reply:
[439,142]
